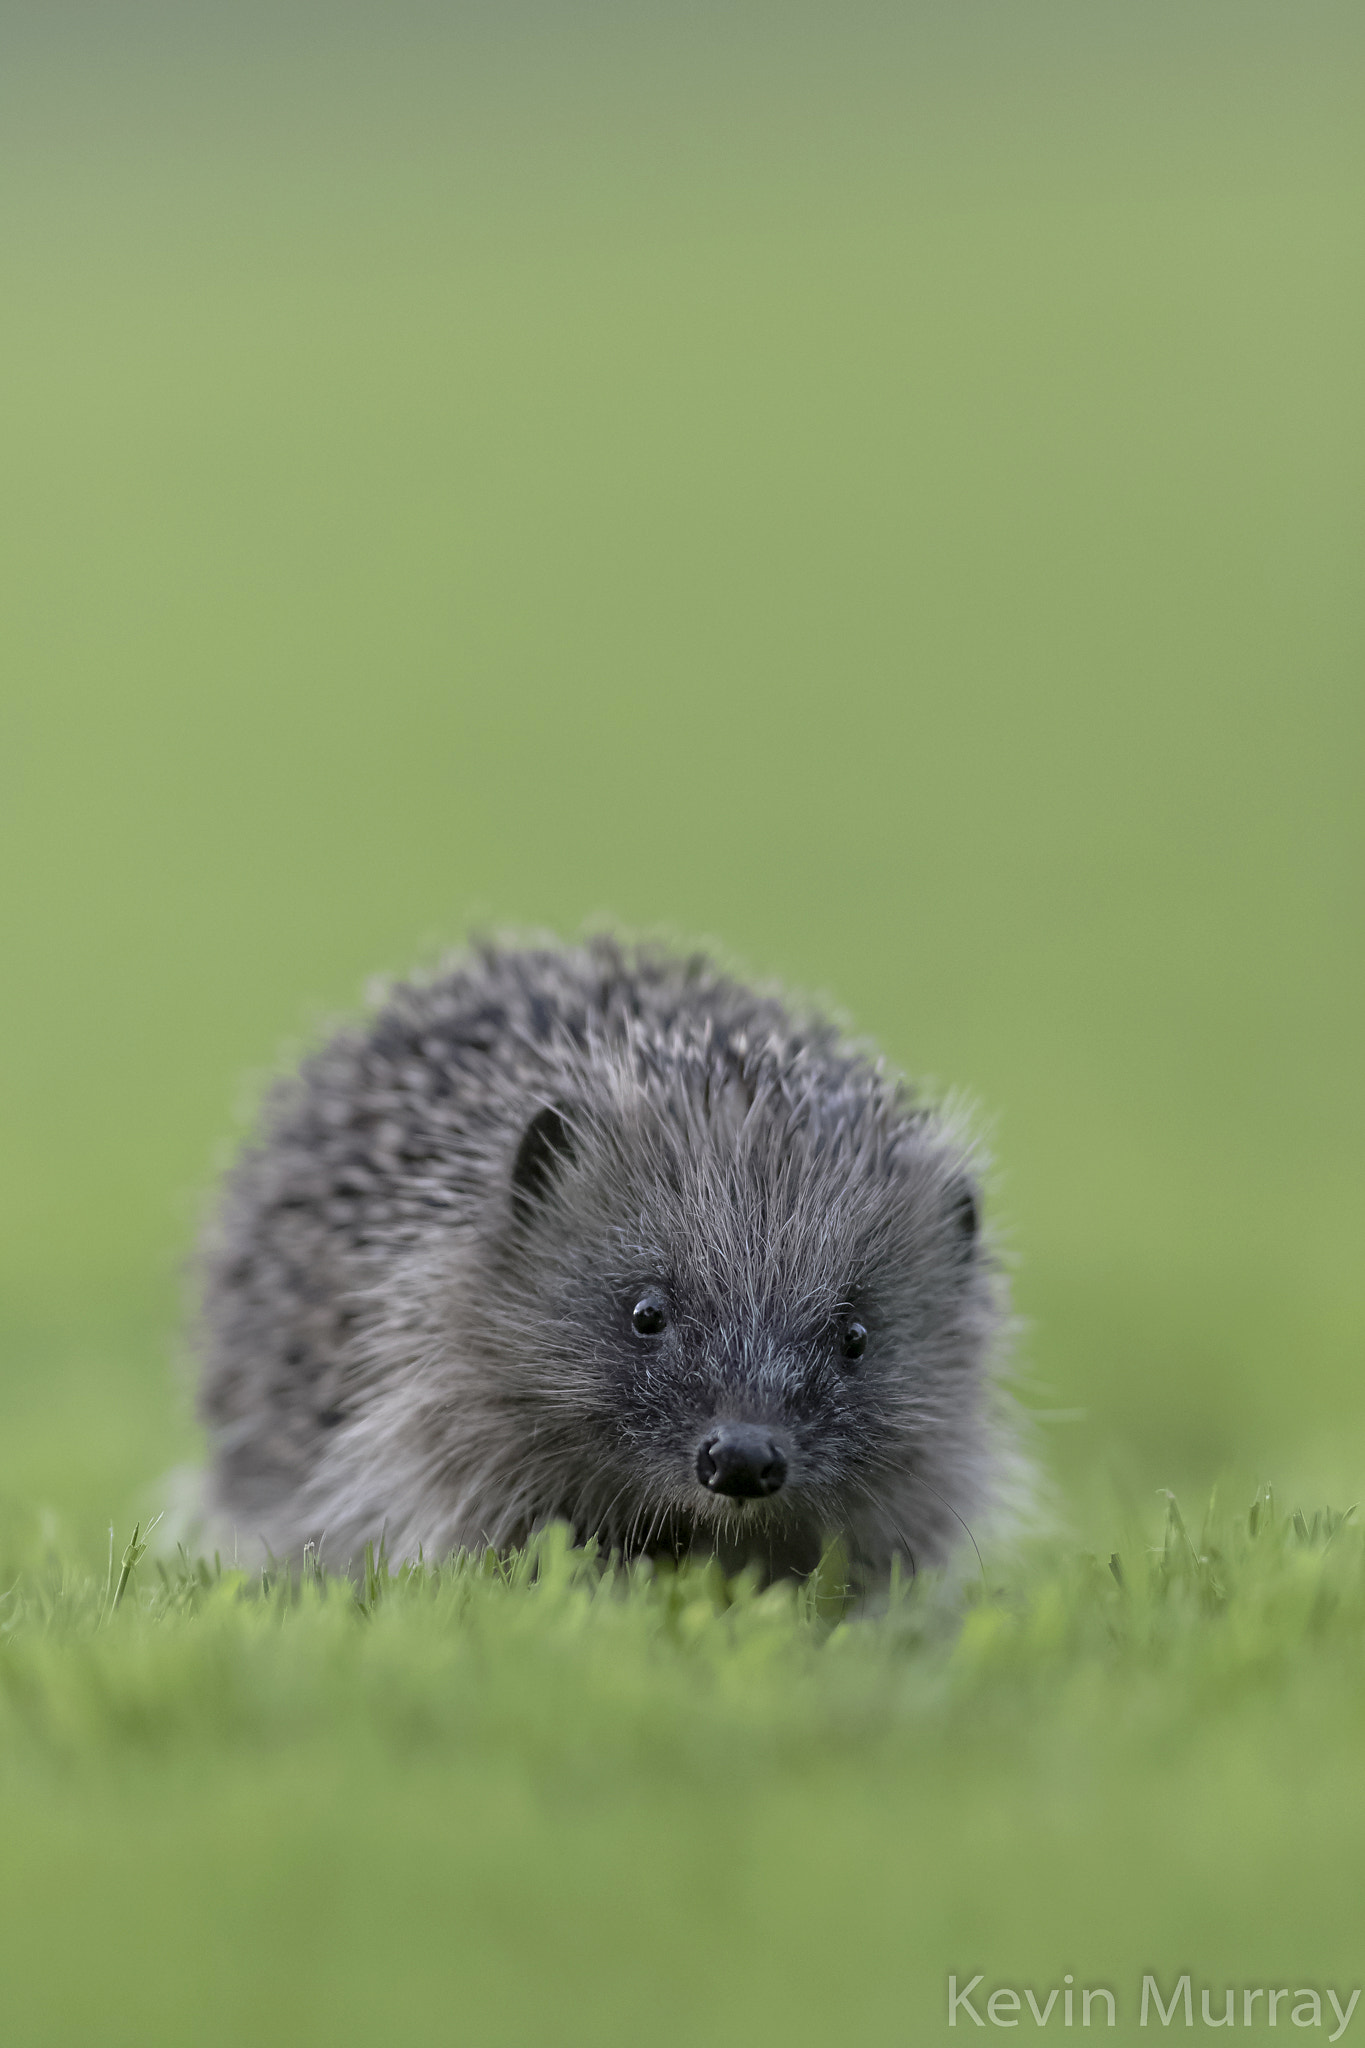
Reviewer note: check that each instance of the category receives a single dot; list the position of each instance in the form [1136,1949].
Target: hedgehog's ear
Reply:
[966,1215]
[546,1144]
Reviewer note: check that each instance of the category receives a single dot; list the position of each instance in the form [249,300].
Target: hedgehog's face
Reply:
[747,1339]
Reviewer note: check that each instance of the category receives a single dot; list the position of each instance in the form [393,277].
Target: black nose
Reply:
[742,1460]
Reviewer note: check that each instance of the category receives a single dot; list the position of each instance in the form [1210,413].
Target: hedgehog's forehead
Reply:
[762,1197]
[759,1249]
[738,1244]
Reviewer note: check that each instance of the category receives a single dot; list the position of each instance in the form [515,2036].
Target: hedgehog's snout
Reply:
[743,1460]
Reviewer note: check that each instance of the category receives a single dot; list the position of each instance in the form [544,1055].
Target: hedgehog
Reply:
[599,1235]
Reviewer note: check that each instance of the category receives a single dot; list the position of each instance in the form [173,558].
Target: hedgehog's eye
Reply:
[649,1317]
[855,1342]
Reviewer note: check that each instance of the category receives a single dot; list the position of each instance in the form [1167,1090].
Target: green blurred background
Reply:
[879,487]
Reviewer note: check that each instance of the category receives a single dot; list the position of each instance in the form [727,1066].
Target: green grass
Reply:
[543,1800]
[878,485]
